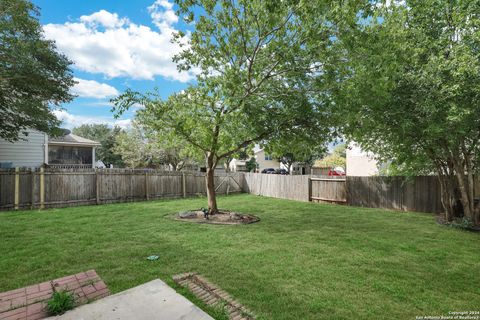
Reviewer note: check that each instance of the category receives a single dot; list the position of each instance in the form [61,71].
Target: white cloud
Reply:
[105,19]
[93,89]
[162,13]
[71,121]
[107,44]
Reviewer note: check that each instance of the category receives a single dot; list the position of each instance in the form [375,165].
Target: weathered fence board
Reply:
[70,187]
[277,186]
[409,194]
[329,189]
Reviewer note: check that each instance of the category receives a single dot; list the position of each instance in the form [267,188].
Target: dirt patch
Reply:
[223,217]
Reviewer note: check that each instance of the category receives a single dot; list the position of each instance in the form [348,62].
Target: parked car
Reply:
[337,171]
[268,171]
[282,171]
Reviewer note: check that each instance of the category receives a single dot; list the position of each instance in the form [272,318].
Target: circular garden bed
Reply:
[222,217]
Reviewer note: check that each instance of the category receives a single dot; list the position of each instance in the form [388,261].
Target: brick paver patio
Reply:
[29,303]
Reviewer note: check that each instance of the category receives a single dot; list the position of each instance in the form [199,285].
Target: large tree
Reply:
[34,77]
[254,76]
[106,136]
[409,90]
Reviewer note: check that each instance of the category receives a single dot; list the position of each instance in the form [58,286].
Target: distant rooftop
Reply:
[71,139]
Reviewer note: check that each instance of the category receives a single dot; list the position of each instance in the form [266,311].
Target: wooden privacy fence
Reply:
[420,194]
[327,189]
[39,188]
[297,187]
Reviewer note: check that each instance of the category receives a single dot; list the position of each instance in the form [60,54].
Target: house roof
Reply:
[72,140]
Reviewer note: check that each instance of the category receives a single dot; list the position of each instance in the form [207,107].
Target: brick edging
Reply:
[213,295]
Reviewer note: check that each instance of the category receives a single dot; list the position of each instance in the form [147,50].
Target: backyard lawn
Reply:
[302,261]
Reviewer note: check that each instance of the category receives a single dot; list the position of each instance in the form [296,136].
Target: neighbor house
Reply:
[37,149]
[359,162]
[264,161]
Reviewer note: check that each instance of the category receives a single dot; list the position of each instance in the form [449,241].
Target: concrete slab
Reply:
[152,300]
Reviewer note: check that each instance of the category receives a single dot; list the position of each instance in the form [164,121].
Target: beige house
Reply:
[359,162]
[265,161]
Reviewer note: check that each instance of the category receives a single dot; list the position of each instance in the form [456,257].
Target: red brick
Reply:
[97,294]
[87,281]
[35,308]
[68,286]
[100,285]
[18,302]
[4,306]
[32,289]
[37,316]
[88,289]
[64,279]
[45,285]
[39,298]
[92,273]
[12,292]
[40,294]
[81,275]
[13,296]
[19,311]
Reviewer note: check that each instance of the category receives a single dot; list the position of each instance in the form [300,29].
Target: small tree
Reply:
[33,75]
[253,83]
[251,164]
[303,148]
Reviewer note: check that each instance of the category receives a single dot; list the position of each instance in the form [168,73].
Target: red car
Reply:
[338,171]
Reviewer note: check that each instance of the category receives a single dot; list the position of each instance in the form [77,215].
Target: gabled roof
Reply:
[72,140]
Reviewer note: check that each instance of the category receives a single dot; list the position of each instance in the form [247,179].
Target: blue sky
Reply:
[114,45]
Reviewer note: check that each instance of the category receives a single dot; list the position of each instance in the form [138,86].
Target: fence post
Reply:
[17,187]
[146,185]
[32,173]
[42,188]
[309,189]
[184,185]
[228,183]
[97,186]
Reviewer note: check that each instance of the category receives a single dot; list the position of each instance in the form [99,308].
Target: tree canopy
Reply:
[34,77]
[254,81]
[409,90]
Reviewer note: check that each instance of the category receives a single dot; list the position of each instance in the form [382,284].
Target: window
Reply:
[268,157]
[69,155]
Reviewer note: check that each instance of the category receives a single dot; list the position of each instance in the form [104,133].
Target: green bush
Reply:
[60,303]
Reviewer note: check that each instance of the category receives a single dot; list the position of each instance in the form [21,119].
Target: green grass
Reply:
[302,261]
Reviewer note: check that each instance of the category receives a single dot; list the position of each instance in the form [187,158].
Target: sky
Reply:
[114,45]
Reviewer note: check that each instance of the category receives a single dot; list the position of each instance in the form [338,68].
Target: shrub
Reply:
[60,302]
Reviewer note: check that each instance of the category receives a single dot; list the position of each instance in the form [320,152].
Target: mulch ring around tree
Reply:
[457,223]
[222,217]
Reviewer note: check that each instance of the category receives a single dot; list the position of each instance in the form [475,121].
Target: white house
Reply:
[359,162]
[237,165]
[37,149]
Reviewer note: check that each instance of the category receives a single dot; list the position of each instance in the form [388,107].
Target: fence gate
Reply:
[332,190]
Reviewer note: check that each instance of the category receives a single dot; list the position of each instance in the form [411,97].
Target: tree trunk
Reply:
[210,181]
[464,190]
